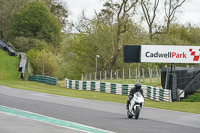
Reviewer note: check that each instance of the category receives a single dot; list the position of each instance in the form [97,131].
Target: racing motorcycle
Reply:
[135,105]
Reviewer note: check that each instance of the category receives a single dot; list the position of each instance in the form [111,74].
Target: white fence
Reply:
[156,94]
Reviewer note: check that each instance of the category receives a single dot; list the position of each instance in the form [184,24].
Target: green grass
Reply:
[8,66]
[192,98]
[58,90]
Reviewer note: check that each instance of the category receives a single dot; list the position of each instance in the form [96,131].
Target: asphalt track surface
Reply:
[103,115]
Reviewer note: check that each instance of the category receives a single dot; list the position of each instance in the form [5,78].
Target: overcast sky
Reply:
[190,10]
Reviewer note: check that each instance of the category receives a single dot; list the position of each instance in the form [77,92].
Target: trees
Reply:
[112,21]
[26,43]
[7,9]
[45,63]
[35,20]
[59,9]
[180,35]
[171,7]
[121,11]
[149,9]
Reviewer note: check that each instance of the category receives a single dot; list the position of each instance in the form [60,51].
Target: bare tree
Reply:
[171,7]
[123,10]
[149,10]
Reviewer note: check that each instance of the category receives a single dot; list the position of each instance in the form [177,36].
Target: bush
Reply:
[25,44]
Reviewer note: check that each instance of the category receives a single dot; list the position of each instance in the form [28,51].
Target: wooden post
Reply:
[136,75]
[117,75]
[95,76]
[82,77]
[90,77]
[105,75]
[139,72]
[111,74]
[123,73]
[129,73]
[86,76]
[143,74]
[150,75]
[100,75]
[157,73]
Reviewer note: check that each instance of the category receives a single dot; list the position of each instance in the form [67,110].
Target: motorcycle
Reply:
[135,105]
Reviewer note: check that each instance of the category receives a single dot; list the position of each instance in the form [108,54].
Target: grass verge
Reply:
[193,98]
[8,66]
[191,107]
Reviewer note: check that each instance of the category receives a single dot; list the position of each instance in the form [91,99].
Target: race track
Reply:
[102,115]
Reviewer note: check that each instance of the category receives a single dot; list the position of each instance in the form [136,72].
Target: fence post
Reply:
[129,73]
[150,75]
[95,75]
[86,76]
[111,74]
[100,75]
[157,73]
[143,74]
[117,75]
[123,73]
[90,77]
[136,74]
[139,72]
[82,77]
[105,75]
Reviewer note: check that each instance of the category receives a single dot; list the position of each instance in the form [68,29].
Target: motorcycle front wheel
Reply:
[137,112]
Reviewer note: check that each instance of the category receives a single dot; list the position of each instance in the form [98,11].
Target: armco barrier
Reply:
[156,94]
[6,47]
[43,79]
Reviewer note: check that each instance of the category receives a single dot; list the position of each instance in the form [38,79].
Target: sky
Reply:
[190,10]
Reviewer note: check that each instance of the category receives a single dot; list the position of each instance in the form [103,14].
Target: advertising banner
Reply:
[170,54]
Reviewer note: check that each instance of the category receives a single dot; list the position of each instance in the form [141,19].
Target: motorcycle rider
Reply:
[133,90]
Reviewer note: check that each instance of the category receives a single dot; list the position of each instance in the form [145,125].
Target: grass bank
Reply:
[8,66]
